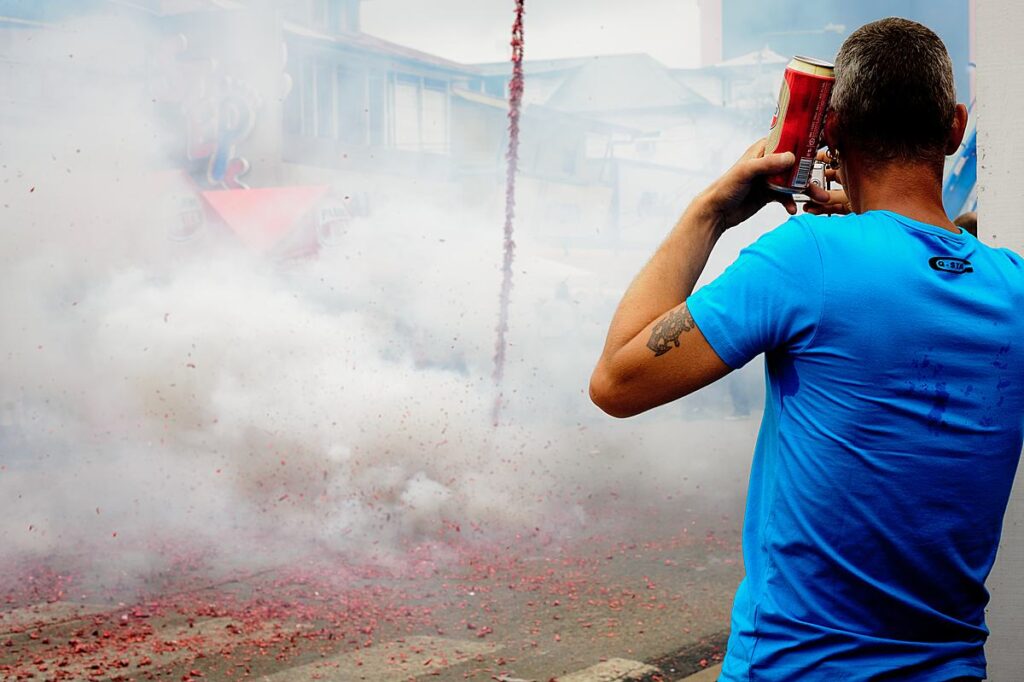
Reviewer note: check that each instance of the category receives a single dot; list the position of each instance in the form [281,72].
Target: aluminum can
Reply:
[800,120]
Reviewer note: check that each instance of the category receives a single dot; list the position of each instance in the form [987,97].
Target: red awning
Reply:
[263,217]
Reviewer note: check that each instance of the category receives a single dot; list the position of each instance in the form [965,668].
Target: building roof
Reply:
[358,40]
[480,98]
[756,58]
[640,82]
[534,66]
[577,121]
[369,43]
[170,7]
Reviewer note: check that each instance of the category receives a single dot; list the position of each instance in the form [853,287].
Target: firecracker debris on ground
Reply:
[446,610]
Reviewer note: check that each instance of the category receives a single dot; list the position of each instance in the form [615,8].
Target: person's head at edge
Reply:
[893,114]
[968,221]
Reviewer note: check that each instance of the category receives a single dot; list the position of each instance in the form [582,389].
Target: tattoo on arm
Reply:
[666,333]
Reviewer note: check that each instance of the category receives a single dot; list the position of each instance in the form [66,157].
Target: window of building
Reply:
[337,101]
[407,113]
[420,114]
[646,149]
[307,98]
[434,117]
[293,103]
[352,105]
[360,107]
[325,118]
[377,109]
[309,109]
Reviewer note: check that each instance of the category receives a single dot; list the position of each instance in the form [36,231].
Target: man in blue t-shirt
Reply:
[894,354]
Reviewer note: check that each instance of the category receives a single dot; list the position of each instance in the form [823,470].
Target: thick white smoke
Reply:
[152,390]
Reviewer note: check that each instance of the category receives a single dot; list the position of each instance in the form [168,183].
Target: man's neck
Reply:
[912,190]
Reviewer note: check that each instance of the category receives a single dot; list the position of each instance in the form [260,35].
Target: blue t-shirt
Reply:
[894,354]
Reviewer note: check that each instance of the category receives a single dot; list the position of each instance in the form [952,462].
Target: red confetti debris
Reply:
[323,603]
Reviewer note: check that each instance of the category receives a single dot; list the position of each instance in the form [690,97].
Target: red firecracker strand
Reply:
[515,100]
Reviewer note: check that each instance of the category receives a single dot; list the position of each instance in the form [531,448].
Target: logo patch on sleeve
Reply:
[957,266]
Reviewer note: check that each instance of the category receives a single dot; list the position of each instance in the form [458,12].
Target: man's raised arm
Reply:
[654,352]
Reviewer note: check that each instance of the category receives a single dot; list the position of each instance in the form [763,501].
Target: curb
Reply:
[685,664]
[707,675]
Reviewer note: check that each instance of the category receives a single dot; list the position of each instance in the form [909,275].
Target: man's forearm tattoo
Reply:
[666,333]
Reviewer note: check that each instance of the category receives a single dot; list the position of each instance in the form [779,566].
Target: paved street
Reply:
[528,618]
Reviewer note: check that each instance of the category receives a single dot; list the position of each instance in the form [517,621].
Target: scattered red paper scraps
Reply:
[204,612]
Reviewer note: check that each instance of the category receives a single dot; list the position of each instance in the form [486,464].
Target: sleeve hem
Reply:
[714,334]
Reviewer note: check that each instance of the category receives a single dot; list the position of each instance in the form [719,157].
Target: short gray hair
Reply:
[894,96]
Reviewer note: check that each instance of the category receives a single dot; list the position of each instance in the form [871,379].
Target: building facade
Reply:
[258,95]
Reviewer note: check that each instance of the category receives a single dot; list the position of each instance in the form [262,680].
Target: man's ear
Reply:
[831,129]
[957,130]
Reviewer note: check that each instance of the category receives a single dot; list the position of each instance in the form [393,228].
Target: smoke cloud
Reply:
[157,392]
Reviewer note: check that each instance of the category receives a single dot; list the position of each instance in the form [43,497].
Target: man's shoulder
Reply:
[1011,259]
[831,226]
[1005,265]
[807,232]
[859,233]
[806,225]
[797,231]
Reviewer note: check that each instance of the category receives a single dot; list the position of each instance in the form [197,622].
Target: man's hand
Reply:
[827,202]
[741,191]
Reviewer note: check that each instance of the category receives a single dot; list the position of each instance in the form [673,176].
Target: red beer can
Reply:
[799,120]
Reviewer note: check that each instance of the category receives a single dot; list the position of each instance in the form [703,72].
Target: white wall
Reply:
[1000,82]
